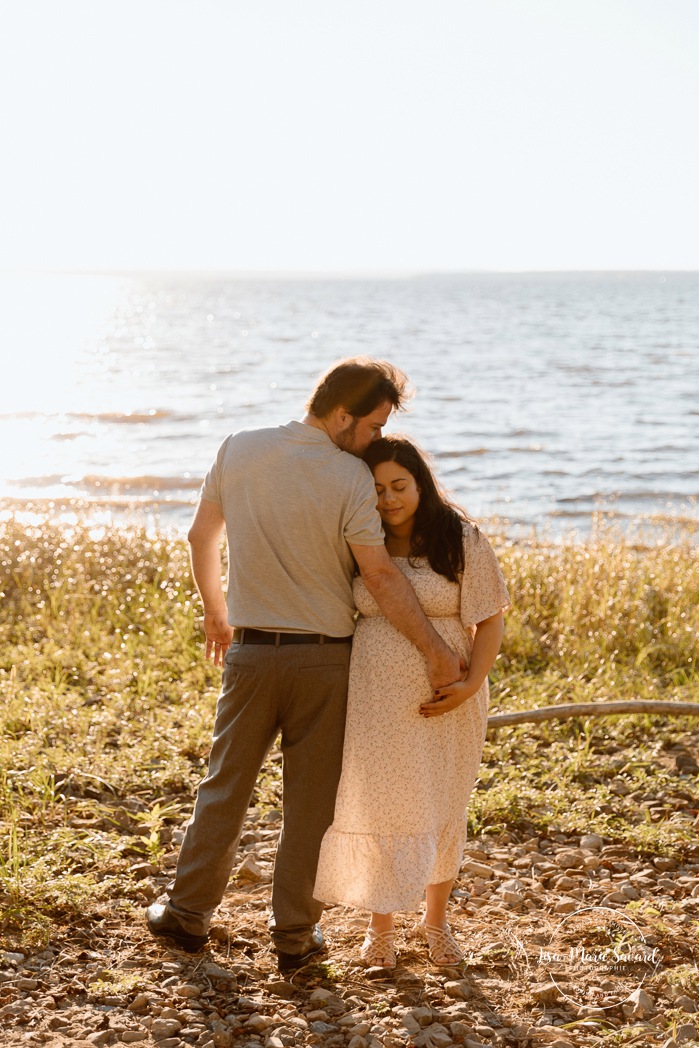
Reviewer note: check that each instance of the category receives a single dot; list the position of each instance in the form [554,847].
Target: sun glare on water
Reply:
[50,326]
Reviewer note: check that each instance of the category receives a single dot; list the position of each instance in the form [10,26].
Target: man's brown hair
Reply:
[360,385]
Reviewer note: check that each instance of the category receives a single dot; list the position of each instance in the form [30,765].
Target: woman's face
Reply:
[397,493]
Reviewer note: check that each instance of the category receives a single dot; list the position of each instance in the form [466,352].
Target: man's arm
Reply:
[398,602]
[204,537]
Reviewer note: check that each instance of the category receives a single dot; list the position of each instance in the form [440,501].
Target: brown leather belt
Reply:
[250,636]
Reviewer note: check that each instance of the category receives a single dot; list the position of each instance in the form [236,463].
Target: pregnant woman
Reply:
[411,756]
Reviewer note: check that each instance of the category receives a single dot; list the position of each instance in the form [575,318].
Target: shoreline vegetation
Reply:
[106,709]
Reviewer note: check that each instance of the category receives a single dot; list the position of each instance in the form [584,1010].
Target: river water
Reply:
[545,398]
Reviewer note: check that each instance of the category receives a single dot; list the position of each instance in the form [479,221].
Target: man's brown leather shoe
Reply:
[289,962]
[162,922]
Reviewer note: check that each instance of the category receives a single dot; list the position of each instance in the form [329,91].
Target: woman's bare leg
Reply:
[437,896]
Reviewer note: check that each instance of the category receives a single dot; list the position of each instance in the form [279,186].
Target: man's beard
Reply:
[345,440]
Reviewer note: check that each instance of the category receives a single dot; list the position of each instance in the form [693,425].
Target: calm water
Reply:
[543,397]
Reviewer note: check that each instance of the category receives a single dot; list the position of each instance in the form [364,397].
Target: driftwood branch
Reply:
[594,709]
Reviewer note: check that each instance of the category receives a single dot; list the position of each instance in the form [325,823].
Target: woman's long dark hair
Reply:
[438,525]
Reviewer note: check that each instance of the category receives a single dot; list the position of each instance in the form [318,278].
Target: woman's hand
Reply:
[448,698]
[486,645]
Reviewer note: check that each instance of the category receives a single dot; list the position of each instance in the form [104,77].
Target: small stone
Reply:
[687,1004]
[410,1022]
[686,1032]
[663,864]
[141,870]
[592,842]
[215,971]
[163,1028]
[27,984]
[133,1036]
[281,988]
[513,885]
[460,989]
[614,899]
[187,990]
[546,993]
[101,1037]
[638,1005]
[321,1027]
[257,1023]
[222,1038]
[12,958]
[139,1003]
[357,1042]
[566,906]
[477,869]
[329,1001]
[565,883]
[251,872]
[423,1016]
[439,1035]
[570,859]
[512,898]
[460,1031]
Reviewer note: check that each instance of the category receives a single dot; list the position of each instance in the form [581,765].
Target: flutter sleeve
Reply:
[483,589]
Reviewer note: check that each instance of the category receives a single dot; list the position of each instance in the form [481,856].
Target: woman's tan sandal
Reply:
[443,948]
[378,949]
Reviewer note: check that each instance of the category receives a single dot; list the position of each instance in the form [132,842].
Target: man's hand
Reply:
[444,667]
[218,636]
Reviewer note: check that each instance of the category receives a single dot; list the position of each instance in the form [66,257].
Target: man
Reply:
[297,504]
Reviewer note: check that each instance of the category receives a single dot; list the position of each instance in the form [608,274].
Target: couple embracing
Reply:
[331,526]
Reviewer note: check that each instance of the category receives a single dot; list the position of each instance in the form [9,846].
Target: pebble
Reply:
[257,1022]
[566,906]
[139,1003]
[322,1027]
[164,1028]
[411,1023]
[458,988]
[570,859]
[592,842]
[281,988]
[250,871]
[477,869]
[189,990]
[638,1005]
[546,993]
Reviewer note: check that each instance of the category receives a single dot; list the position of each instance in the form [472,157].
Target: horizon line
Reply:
[388,273]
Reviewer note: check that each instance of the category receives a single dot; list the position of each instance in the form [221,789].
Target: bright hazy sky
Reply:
[371,135]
